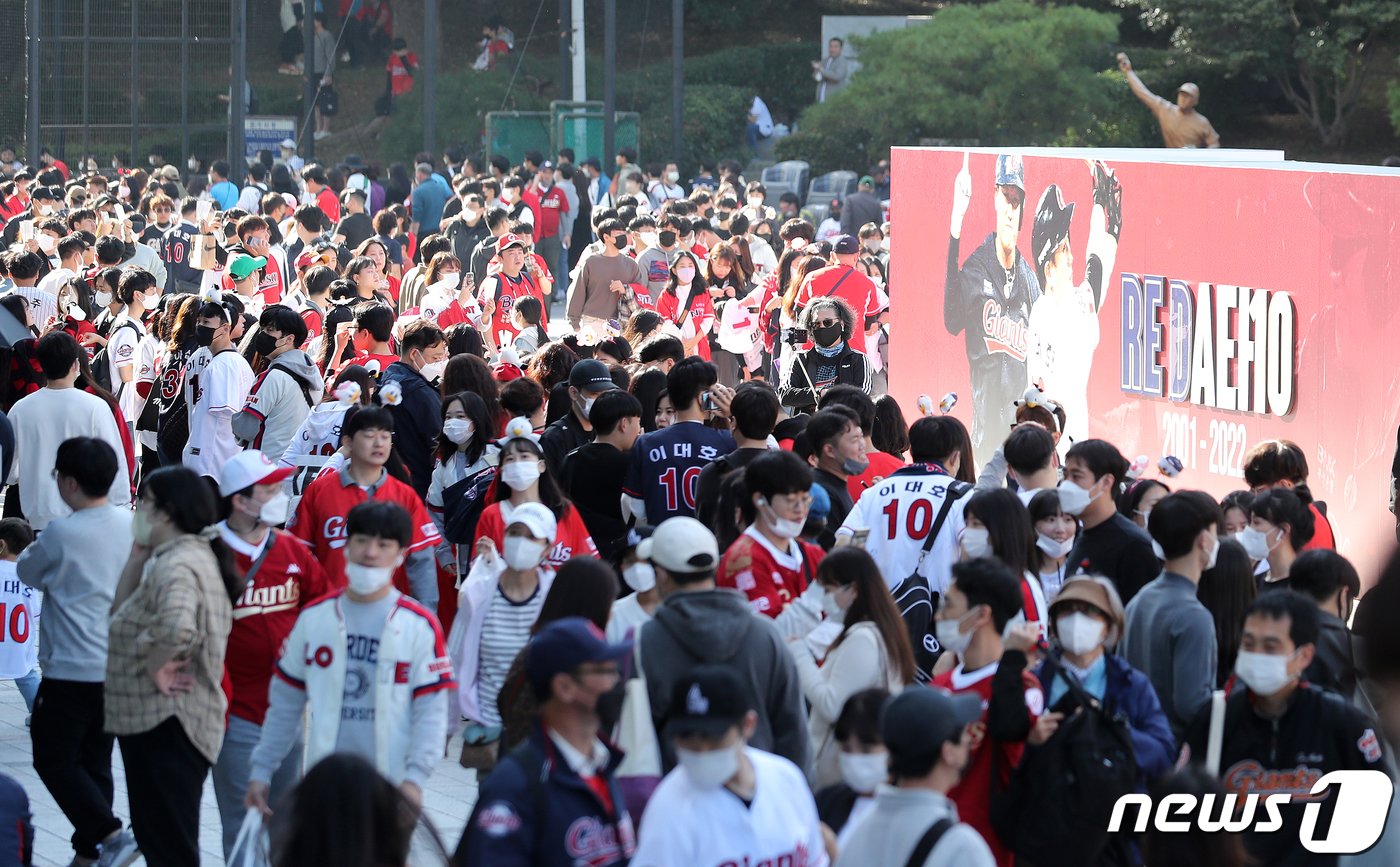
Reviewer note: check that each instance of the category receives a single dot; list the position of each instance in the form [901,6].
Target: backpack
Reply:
[917,602]
[1088,763]
[102,372]
[462,505]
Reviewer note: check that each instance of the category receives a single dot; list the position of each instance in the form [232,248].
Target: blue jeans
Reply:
[28,688]
[752,135]
[231,776]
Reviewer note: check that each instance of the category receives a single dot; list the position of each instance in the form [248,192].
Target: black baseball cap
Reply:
[566,644]
[590,374]
[708,701]
[45,193]
[845,245]
[921,719]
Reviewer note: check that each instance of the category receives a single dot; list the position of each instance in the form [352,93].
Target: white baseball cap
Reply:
[681,545]
[537,518]
[249,468]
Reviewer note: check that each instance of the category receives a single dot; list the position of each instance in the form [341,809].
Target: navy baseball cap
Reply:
[1010,172]
[590,374]
[845,245]
[921,719]
[566,644]
[708,701]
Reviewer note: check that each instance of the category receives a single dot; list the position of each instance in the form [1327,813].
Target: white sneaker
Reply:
[120,850]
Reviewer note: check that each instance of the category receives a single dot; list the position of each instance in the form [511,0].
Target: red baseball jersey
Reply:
[881,465]
[973,793]
[288,580]
[750,566]
[570,540]
[508,289]
[851,286]
[319,520]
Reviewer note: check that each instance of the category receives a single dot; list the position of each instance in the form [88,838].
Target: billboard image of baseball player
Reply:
[989,300]
[1064,326]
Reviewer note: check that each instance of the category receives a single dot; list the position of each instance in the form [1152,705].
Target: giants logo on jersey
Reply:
[798,857]
[1001,333]
[334,531]
[589,841]
[267,600]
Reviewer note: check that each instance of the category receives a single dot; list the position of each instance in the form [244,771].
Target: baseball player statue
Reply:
[1182,126]
[989,300]
[1064,327]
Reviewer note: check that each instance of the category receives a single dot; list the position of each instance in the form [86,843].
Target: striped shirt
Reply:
[503,634]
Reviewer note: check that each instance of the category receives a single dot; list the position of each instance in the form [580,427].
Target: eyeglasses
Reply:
[827,323]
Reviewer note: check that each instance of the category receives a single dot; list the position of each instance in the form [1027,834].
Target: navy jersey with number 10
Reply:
[666,465]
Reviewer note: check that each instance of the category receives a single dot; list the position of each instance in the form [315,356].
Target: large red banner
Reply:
[1194,311]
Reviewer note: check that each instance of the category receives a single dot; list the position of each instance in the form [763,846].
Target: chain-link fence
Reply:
[117,77]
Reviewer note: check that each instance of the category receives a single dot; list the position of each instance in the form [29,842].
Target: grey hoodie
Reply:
[717,627]
[278,403]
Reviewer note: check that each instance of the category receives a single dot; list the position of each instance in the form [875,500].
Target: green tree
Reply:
[1004,73]
[1318,52]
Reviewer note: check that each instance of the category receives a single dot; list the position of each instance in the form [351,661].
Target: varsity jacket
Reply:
[412,662]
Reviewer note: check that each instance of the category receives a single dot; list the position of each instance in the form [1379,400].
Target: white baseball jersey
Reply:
[687,826]
[19,624]
[312,447]
[898,513]
[124,351]
[216,387]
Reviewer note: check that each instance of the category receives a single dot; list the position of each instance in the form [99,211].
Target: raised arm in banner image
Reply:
[1064,326]
[989,299]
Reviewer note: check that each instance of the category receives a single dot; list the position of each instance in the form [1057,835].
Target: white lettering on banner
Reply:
[1223,347]
[1227,444]
[1363,801]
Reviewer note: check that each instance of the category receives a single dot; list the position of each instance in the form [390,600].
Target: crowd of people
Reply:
[593,482]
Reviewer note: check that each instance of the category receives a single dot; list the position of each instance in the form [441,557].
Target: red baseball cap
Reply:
[508,240]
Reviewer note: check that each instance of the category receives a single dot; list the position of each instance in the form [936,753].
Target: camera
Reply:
[795,336]
[707,402]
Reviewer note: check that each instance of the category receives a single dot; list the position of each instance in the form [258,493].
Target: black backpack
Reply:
[102,372]
[1088,763]
[917,603]
[462,505]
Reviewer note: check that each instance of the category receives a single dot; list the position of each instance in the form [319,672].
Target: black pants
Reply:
[291,45]
[73,756]
[164,780]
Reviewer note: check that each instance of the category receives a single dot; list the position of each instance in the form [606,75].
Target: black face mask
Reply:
[264,344]
[827,335]
[204,335]
[667,238]
[708,213]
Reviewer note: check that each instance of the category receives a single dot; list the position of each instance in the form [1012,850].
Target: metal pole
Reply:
[566,60]
[238,83]
[609,81]
[307,145]
[430,61]
[32,22]
[135,77]
[580,77]
[677,77]
[87,77]
[184,83]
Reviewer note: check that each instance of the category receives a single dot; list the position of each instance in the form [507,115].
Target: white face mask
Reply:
[124,191]
[458,430]
[588,406]
[948,635]
[1214,551]
[709,769]
[641,577]
[102,299]
[274,512]
[649,239]
[685,275]
[1079,633]
[784,527]
[1255,543]
[520,475]
[830,607]
[755,201]
[367,580]
[976,542]
[864,771]
[1264,673]
[1053,548]
[521,553]
[1073,499]
[432,371]
[673,177]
